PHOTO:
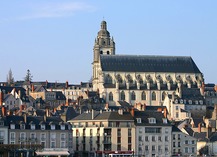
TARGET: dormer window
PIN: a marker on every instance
(22, 126)
(190, 102)
(181, 101)
(138, 120)
(152, 120)
(52, 126)
(176, 101)
(12, 126)
(1, 123)
(164, 120)
(42, 126)
(201, 102)
(33, 126)
(196, 102)
(62, 126)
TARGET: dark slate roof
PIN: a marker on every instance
(106, 115)
(191, 93)
(175, 129)
(201, 136)
(189, 131)
(145, 63)
(213, 138)
(145, 115)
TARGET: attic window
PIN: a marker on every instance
(138, 120)
(152, 120)
(201, 102)
(22, 126)
(1, 123)
(164, 120)
(42, 127)
(33, 126)
(12, 126)
(52, 126)
(62, 127)
(190, 102)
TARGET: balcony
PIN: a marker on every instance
(21, 139)
(43, 138)
(32, 139)
(63, 138)
(106, 142)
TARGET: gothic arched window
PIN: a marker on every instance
(122, 95)
(153, 96)
(110, 96)
(163, 95)
(108, 79)
(133, 96)
(143, 95)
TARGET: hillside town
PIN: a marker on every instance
(134, 105)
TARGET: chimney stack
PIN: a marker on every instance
(1, 98)
(33, 88)
(4, 111)
(132, 111)
(67, 84)
(199, 127)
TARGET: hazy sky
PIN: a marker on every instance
(54, 39)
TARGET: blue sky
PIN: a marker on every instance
(54, 39)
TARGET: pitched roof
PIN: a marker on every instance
(106, 115)
(145, 63)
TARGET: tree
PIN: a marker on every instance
(28, 77)
(10, 78)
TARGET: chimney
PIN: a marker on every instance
(120, 111)
(202, 89)
(165, 112)
(215, 88)
(25, 118)
(106, 106)
(93, 114)
(33, 88)
(199, 127)
(132, 111)
(47, 112)
(1, 98)
(19, 93)
(27, 91)
(67, 84)
(4, 111)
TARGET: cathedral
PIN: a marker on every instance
(139, 78)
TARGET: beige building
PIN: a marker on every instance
(38, 136)
(139, 78)
(98, 133)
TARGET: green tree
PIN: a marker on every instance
(28, 77)
(10, 78)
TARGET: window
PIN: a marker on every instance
(12, 135)
(153, 96)
(108, 79)
(62, 136)
(122, 95)
(22, 126)
(110, 96)
(43, 137)
(166, 130)
(186, 149)
(152, 130)
(62, 144)
(193, 150)
(33, 126)
(62, 126)
(53, 136)
(42, 126)
(146, 138)
(153, 148)
(52, 126)
(163, 96)
(166, 138)
(192, 142)
(53, 144)
(2, 134)
(186, 141)
(152, 120)
(138, 120)
(177, 114)
(143, 95)
(153, 138)
(133, 96)
(177, 107)
(159, 138)
(146, 148)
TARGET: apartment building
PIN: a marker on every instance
(38, 136)
(100, 133)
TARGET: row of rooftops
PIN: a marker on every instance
(26, 122)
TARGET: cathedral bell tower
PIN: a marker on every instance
(104, 45)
